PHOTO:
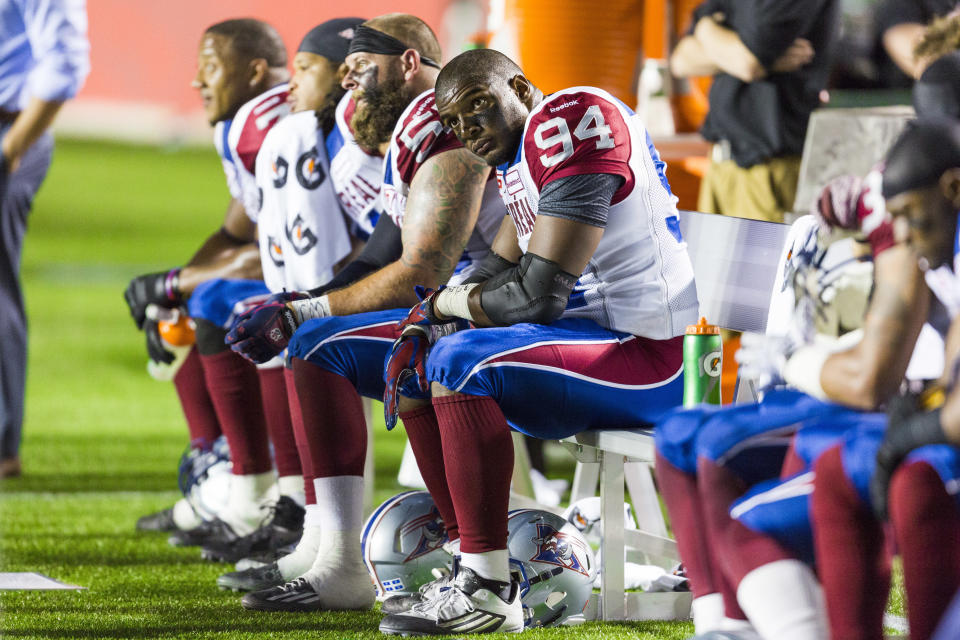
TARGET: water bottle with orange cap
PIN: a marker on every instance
(702, 364)
(177, 331)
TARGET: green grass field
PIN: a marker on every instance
(102, 439)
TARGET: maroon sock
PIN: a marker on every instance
(927, 525)
(197, 406)
(333, 419)
(792, 462)
(300, 436)
(738, 549)
(235, 391)
(478, 457)
(851, 561)
(276, 408)
(679, 491)
(424, 435)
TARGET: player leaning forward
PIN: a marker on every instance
(558, 352)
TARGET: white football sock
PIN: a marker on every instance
(707, 611)
(292, 487)
(741, 628)
(784, 601)
(340, 502)
(338, 574)
(492, 565)
(184, 516)
(249, 494)
(299, 562)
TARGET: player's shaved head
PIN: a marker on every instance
(484, 98)
(479, 66)
(252, 39)
(410, 30)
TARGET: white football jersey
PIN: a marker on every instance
(418, 137)
(238, 141)
(356, 174)
(301, 226)
(640, 279)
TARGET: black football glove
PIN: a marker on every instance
(156, 348)
(161, 289)
(907, 429)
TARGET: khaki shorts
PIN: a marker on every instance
(762, 192)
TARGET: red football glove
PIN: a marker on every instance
(406, 371)
(263, 332)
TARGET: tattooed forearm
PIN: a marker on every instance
(441, 211)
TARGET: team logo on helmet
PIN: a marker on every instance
(300, 236)
(309, 172)
(433, 534)
(275, 250)
(280, 172)
(555, 547)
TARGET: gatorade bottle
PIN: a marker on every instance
(176, 329)
(702, 364)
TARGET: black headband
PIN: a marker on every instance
(370, 40)
(331, 38)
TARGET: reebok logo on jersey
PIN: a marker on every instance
(563, 106)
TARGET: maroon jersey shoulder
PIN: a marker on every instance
(578, 132)
(265, 112)
(419, 136)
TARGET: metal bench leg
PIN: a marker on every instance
(521, 483)
(585, 479)
(611, 575)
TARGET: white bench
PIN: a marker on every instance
(735, 262)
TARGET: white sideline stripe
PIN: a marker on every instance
(897, 623)
(799, 486)
(570, 374)
(773, 436)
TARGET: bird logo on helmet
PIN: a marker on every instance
(553, 563)
(403, 542)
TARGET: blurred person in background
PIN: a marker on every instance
(44, 60)
(900, 25)
(770, 60)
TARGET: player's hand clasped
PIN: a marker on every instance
(908, 428)
(263, 332)
(161, 289)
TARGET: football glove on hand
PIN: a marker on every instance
(160, 289)
(762, 358)
(423, 313)
(156, 348)
(264, 331)
(406, 371)
(908, 428)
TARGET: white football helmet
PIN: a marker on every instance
(403, 542)
(553, 563)
(204, 478)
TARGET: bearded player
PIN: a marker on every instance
(441, 202)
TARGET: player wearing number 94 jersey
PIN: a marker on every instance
(587, 311)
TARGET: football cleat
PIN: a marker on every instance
(470, 604)
(207, 532)
(401, 603)
(159, 521)
(297, 595)
(258, 579)
(283, 527)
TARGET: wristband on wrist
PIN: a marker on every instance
(171, 284)
(803, 370)
(453, 301)
(310, 308)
